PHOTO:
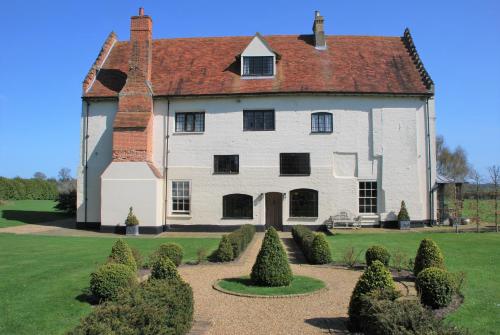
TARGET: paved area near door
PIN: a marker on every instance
(322, 313)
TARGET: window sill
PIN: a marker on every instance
(188, 133)
(226, 173)
(321, 132)
(295, 175)
(257, 77)
(225, 218)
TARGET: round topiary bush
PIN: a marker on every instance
(377, 253)
(435, 287)
(428, 255)
(320, 250)
(224, 252)
(170, 250)
(375, 277)
(110, 279)
(164, 268)
(122, 254)
(271, 267)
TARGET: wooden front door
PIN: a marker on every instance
(274, 210)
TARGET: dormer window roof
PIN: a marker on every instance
(258, 60)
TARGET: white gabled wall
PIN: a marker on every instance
(374, 138)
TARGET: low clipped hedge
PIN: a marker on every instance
(313, 245)
(435, 287)
(224, 252)
(110, 279)
(428, 255)
(169, 250)
(377, 253)
(121, 253)
(383, 315)
(271, 268)
(376, 277)
(154, 307)
(238, 239)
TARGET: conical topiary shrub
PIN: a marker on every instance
(428, 255)
(403, 213)
(224, 252)
(271, 267)
(375, 277)
(122, 254)
(131, 218)
(320, 250)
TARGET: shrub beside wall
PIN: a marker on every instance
(238, 239)
(314, 246)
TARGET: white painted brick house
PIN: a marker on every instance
(211, 133)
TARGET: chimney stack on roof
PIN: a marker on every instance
(319, 31)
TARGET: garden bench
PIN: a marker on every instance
(343, 219)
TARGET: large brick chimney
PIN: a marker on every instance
(132, 128)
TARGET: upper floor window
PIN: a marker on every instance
(226, 164)
(304, 203)
(258, 120)
(258, 66)
(321, 123)
(237, 206)
(295, 164)
(368, 197)
(190, 122)
(181, 200)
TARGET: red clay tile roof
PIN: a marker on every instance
(208, 66)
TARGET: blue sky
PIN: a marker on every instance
(48, 47)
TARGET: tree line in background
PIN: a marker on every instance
(453, 163)
(62, 189)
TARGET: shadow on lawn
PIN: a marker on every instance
(87, 296)
(331, 325)
(38, 217)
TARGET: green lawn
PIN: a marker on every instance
(299, 285)
(19, 212)
(486, 209)
(476, 254)
(42, 277)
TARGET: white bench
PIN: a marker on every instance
(343, 219)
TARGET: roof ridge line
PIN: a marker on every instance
(410, 46)
(106, 48)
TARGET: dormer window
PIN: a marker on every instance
(258, 60)
(258, 66)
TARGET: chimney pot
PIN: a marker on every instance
(141, 11)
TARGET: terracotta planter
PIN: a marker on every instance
(132, 230)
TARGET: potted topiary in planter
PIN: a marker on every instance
(403, 217)
(132, 224)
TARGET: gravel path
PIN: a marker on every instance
(322, 313)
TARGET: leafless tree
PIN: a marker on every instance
(476, 178)
(494, 172)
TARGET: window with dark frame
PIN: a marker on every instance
(321, 122)
(368, 197)
(295, 164)
(181, 200)
(258, 120)
(226, 164)
(237, 206)
(304, 203)
(258, 66)
(190, 122)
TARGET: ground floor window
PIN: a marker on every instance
(368, 197)
(237, 206)
(181, 200)
(303, 203)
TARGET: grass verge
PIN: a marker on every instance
(19, 212)
(299, 285)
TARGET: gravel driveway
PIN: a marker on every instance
(321, 313)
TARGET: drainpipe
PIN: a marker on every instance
(165, 164)
(429, 164)
(86, 134)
